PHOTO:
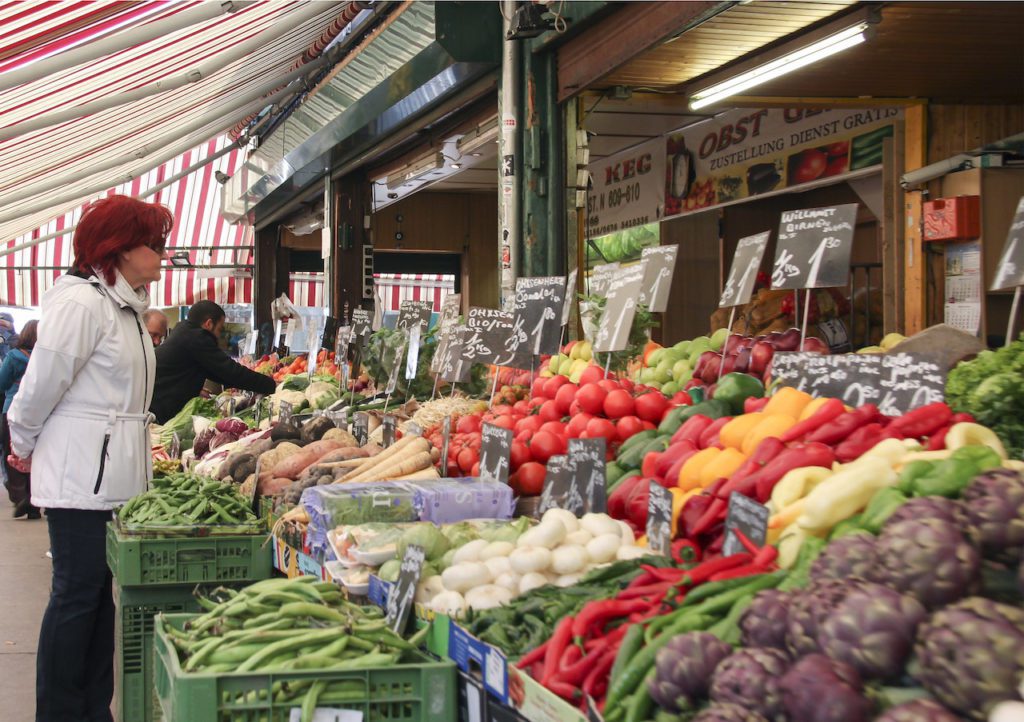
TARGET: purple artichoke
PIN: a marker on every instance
(853, 556)
(994, 502)
(684, 668)
(819, 689)
(971, 655)
(764, 622)
(727, 713)
(752, 678)
(920, 710)
(809, 609)
(929, 559)
(872, 630)
(929, 507)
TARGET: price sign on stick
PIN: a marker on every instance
(498, 338)
(538, 303)
(601, 276)
(403, 593)
(446, 325)
(414, 313)
(588, 458)
(495, 452)
(747, 516)
(619, 309)
(284, 412)
(813, 249)
(746, 262)
(559, 491)
(413, 359)
(396, 367)
(330, 334)
(455, 366)
(1010, 271)
(388, 426)
(659, 519)
(361, 427)
(570, 294)
(361, 326)
(660, 265)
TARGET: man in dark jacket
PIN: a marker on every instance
(190, 356)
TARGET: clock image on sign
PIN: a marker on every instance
(813, 248)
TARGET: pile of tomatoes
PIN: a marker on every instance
(557, 410)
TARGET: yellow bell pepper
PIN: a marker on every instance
(723, 464)
(796, 484)
(689, 475)
(789, 401)
(733, 433)
(845, 493)
(771, 425)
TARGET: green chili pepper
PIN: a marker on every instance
(883, 504)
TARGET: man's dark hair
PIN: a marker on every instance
(203, 311)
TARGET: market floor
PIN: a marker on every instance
(25, 588)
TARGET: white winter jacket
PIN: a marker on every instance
(82, 409)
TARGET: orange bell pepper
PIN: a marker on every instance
(788, 401)
(771, 425)
(733, 433)
(722, 465)
(689, 475)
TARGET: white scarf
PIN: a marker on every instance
(125, 294)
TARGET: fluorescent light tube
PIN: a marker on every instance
(780, 66)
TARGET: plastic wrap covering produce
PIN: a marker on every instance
(450, 500)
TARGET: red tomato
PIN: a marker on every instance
(536, 402)
(521, 407)
(648, 426)
(544, 445)
(682, 399)
(628, 426)
(554, 383)
(651, 406)
(529, 479)
(519, 455)
(525, 435)
(553, 427)
(591, 374)
(537, 387)
(505, 422)
(619, 403)
(608, 385)
(601, 427)
(564, 397)
(549, 411)
(577, 424)
(627, 385)
(591, 398)
(468, 424)
(529, 423)
(575, 408)
(467, 458)
(475, 471)
(808, 166)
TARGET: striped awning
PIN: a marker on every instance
(393, 288)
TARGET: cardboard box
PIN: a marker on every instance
(295, 563)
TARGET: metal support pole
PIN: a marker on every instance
(807, 309)
(510, 184)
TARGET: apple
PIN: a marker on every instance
(702, 363)
(788, 340)
(711, 368)
(742, 360)
(760, 357)
(733, 343)
(728, 365)
(813, 344)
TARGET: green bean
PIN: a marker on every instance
(295, 642)
(309, 703)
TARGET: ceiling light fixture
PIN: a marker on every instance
(416, 170)
(782, 65)
(477, 140)
(181, 260)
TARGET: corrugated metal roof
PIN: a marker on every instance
(144, 127)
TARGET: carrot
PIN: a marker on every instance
(399, 466)
(386, 457)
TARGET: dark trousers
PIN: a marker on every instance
(75, 663)
(19, 484)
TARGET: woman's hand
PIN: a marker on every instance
(19, 464)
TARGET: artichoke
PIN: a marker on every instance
(683, 669)
(872, 630)
(819, 689)
(929, 507)
(994, 502)
(852, 556)
(920, 710)
(728, 713)
(809, 609)
(971, 655)
(764, 622)
(929, 559)
(752, 678)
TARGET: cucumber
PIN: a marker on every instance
(632, 442)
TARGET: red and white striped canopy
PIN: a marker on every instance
(393, 288)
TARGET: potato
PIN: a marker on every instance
(342, 437)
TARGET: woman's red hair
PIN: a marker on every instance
(116, 224)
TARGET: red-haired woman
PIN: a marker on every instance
(81, 414)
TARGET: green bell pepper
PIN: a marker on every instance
(847, 526)
(883, 504)
(983, 457)
(948, 478)
(714, 409)
(735, 388)
(696, 394)
(911, 473)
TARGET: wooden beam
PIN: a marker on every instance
(624, 35)
(915, 156)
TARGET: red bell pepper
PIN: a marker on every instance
(714, 514)
(759, 484)
(636, 504)
(842, 426)
(764, 452)
(691, 429)
(672, 474)
(861, 441)
(685, 551)
(828, 411)
(617, 499)
(650, 463)
(668, 458)
(709, 437)
(693, 510)
(753, 404)
(923, 421)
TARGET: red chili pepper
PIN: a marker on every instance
(574, 673)
(642, 581)
(923, 421)
(563, 690)
(685, 551)
(828, 411)
(534, 655)
(753, 404)
(797, 456)
(767, 555)
(764, 453)
(861, 441)
(714, 514)
(665, 574)
(559, 640)
(600, 670)
(571, 655)
(691, 429)
(596, 613)
(650, 589)
(842, 426)
(611, 638)
(709, 437)
(746, 542)
(706, 570)
(677, 453)
(745, 570)
(712, 489)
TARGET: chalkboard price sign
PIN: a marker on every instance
(570, 293)
(619, 309)
(454, 366)
(601, 276)
(1010, 271)
(497, 338)
(361, 427)
(660, 265)
(403, 593)
(495, 450)
(446, 325)
(588, 458)
(896, 383)
(813, 249)
(659, 519)
(361, 325)
(746, 261)
(747, 516)
(559, 491)
(284, 412)
(388, 425)
(414, 313)
(538, 303)
(396, 367)
(330, 334)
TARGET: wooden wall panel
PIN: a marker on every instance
(463, 223)
(954, 129)
(696, 284)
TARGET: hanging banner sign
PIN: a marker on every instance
(627, 189)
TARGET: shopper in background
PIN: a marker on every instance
(19, 487)
(191, 355)
(81, 414)
(8, 338)
(156, 325)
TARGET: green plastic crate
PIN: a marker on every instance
(144, 561)
(423, 691)
(133, 634)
